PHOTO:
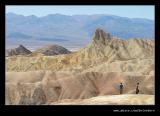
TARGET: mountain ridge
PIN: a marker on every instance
(103, 48)
(75, 29)
(11, 13)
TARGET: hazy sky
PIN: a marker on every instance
(131, 11)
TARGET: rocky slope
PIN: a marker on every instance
(50, 50)
(20, 50)
(53, 86)
(103, 49)
(95, 70)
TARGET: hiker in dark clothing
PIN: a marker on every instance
(121, 88)
(137, 89)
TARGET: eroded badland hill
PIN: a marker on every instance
(85, 75)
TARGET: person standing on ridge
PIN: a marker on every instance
(121, 88)
(137, 88)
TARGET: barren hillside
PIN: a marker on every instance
(95, 70)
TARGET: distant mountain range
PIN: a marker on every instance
(75, 30)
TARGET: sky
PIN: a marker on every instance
(130, 11)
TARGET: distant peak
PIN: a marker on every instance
(99, 29)
(21, 46)
(20, 50)
(100, 36)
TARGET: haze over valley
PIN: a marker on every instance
(72, 32)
